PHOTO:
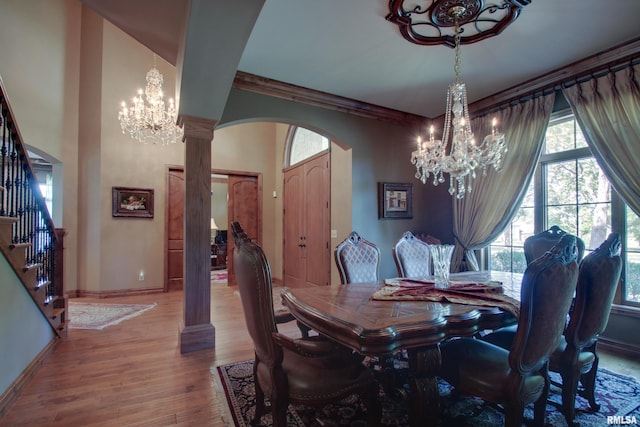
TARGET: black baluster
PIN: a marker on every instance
(3, 154)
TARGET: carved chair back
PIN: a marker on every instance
(358, 260)
(599, 276)
(412, 256)
(254, 284)
(548, 286)
(535, 246)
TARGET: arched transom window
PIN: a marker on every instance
(304, 143)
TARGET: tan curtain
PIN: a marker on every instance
(483, 214)
(608, 112)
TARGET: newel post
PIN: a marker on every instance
(197, 332)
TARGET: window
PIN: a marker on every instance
(570, 190)
(304, 143)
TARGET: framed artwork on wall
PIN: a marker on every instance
(395, 200)
(132, 202)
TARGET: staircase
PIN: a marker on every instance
(28, 239)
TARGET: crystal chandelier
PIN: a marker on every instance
(150, 122)
(465, 156)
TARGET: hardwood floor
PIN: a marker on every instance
(132, 374)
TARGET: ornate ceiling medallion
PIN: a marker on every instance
(430, 22)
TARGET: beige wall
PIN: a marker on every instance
(40, 71)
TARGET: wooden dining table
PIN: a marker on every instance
(349, 315)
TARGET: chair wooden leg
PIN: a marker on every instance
(569, 389)
(540, 405)
(588, 381)
(279, 406)
(513, 415)
(260, 406)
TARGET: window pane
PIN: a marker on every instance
(561, 183)
(595, 224)
(632, 261)
(305, 144)
(507, 253)
(593, 185)
(564, 135)
(529, 201)
(508, 259)
(564, 217)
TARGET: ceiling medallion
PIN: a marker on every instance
(430, 22)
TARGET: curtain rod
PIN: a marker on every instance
(577, 78)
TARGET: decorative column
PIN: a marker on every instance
(197, 332)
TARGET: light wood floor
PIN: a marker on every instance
(133, 374)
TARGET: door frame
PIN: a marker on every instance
(169, 168)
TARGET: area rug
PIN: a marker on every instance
(617, 394)
(219, 277)
(98, 316)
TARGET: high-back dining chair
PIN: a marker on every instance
(358, 260)
(412, 256)
(535, 246)
(308, 371)
(518, 377)
(576, 358)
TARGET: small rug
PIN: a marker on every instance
(98, 316)
(219, 276)
(617, 394)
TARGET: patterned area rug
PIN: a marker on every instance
(99, 316)
(617, 394)
(219, 276)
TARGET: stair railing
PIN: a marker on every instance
(21, 198)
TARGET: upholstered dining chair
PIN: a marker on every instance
(358, 260)
(282, 314)
(307, 371)
(535, 246)
(412, 256)
(518, 377)
(576, 357)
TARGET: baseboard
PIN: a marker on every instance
(112, 294)
(618, 347)
(11, 394)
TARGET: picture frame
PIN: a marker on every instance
(132, 202)
(395, 200)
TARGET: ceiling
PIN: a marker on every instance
(347, 48)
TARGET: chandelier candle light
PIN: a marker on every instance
(465, 155)
(151, 122)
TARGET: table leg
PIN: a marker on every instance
(424, 398)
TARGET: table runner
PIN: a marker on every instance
(485, 294)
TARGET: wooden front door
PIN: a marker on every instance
(307, 256)
(245, 206)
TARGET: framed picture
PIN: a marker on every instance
(395, 200)
(132, 202)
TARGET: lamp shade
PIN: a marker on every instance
(213, 224)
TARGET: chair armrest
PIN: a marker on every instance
(311, 347)
(284, 317)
